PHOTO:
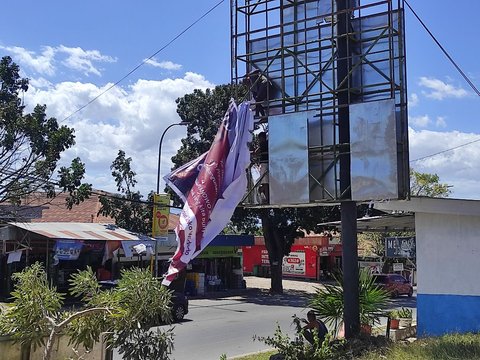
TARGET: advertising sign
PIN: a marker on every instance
(264, 257)
(211, 252)
(397, 266)
(161, 213)
(400, 247)
(68, 249)
(334, 240)
(294, 263)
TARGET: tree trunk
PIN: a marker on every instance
(276, 286)
(47, 353)
(274, 242)
(58, 328)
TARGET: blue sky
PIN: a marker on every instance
(72, 51)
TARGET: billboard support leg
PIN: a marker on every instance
(351, 309)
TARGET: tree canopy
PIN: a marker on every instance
(31, 145)
(127, 208)
(424, 184)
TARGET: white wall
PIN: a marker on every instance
(448, 254)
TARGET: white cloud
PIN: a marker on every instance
(131, 118)
(424, 121)
(167, 65)
(457, 167)
(42, 64)
(413, 100)
(440, 122)
(83, 60)
(39, 82)
(419, 121)
(46, 62)
(440, 90)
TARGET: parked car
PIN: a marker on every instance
(179, 306)
(395, 284)
(179, 301)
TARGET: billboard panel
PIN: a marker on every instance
(296, 47)
(373, 149)
(288, 158)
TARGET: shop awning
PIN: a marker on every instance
(80, 231)
(393, 222)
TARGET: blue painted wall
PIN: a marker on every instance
(441, 314)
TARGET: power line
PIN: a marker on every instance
(462, 73)
(444, 151)
(144, 61)
(472, 85)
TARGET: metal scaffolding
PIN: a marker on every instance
(293, 46)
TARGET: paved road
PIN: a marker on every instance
(217, 326)
(226, 325)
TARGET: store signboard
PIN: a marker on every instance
(334, 240)
(211, 252)
(161, 214)
(397, 266)
(400, 247)
(264, 257)
(68, 249)
(294, 263)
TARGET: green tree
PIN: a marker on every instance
(424, 184)
(203, 110)
(127, 208)
(31, 145)
(126, 313)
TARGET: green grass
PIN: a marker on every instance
(259, 356)
(448, 347)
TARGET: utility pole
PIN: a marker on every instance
(348, 208)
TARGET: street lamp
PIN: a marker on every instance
(160, 151)
(158, 183)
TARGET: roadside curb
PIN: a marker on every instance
(250, 354)
(223, 294)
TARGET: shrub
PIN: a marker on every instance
(34, 302)
(393, 314)
(328, 302)
(299, 348)
(126, 313)
(405, 313)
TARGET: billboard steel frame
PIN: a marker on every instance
(296, 46)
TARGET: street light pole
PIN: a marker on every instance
(158, 184)
(160, 151)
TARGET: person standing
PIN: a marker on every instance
(261, 89)
(262, 156)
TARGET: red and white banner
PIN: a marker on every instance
(220, 183)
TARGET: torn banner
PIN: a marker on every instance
(212, 186)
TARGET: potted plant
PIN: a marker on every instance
(394, 319)
(328, 302)
(405, 317)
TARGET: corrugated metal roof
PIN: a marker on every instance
(399, 222)
(80, 231)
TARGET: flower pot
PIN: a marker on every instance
(405, 322)
(366, 329)
(394, 324)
